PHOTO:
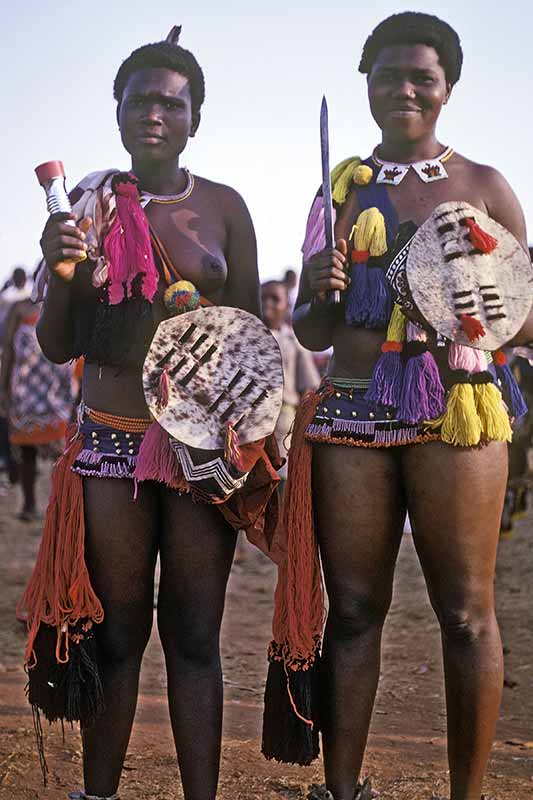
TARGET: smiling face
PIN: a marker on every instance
(407, 88)
(155, 116)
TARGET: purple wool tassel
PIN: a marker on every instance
(386, 385)
(422, 394)
(380, 297)
(511, 391)
(357, 295)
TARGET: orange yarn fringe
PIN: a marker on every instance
(59, 592)
(299, 600)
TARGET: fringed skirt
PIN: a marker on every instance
(345, 417)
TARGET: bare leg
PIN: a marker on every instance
(360, 512)
(197, 549)
(28, 474)
(455, 498)
(121, 549)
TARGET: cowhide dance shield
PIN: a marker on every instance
(449, 276)
(222, 366)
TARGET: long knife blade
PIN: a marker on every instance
(334, 296)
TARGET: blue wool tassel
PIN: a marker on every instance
(381, 299)
(386, 385)
(511, 391)
(358, 296)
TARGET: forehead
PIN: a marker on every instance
(408, 56)
(158, 80)
(274, 291)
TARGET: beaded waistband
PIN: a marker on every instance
(349, 383)
(127, 424)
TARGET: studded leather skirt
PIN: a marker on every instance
(344, 417)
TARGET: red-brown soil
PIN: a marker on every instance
(406, 754)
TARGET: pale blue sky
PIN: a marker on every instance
(266, 67)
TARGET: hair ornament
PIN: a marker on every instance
(174, 35)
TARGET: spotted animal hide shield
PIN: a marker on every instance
(448, 277)
(221, 365)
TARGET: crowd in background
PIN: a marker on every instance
(37, 398)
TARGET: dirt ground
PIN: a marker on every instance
(406, 755)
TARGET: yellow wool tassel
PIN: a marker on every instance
(342, 178)
(397, 325)
(362, 175)
(461, 425)
(370, 232)
(494, 418)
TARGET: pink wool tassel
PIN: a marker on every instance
(127, 247)
(157, 461)
(315, 237)
(468, 358)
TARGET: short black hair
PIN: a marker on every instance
(274, 282)
(413, 27)
(167, 56)
(19, 277)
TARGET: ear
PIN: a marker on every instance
(449, 88)
(195, 124)
(117, 112)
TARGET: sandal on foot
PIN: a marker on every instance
(318, 791)
(83, 796)
(363, 791)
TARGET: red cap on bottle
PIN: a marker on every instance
(50, 169)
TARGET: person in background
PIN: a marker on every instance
(516, 493)
(36, 398)
(299, 370)
(290, 279)
(16, 289)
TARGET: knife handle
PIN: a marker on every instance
(333, 298)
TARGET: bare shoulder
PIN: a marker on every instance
(487, 178)
(498, 196)
(227, 198)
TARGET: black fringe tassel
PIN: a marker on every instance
(73, 691)
(285, 737)
(70, 692)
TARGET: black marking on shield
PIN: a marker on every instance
(166, 358)
(199, 342)
(236, 378)
(227, 413)
(188, 333)
(248, 388)
(446, 228)
(174, 371)
(190, 375)
(215, 404)
(208, 354)
(260, 398)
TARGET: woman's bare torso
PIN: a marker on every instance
(194, 234)
(356, 350)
